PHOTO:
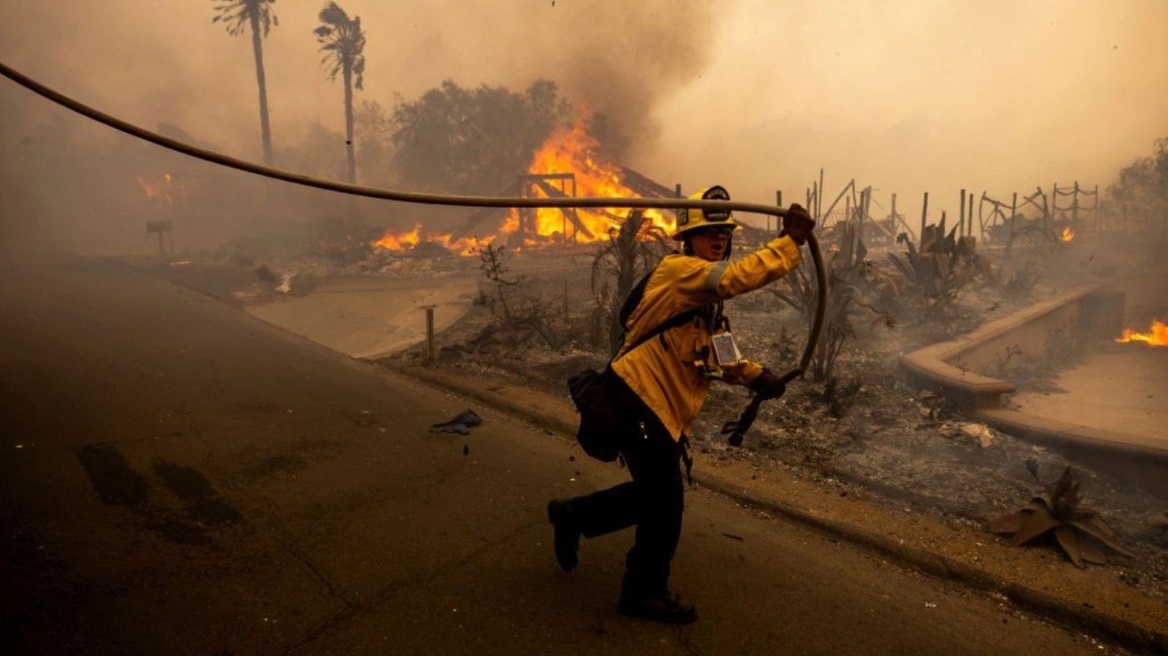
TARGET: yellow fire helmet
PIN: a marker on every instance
(694, 218)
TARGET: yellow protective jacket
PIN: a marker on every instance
(666, 372)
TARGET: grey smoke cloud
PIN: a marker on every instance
(912, 96)
(150, 62)
(903, 95)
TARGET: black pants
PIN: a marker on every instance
(652, 501)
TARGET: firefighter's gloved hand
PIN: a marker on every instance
(768, 385)
(797, 224)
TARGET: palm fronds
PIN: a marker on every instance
(238, 14)
(1077, 529)
(342, 42)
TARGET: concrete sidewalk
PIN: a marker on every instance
(1123, 389)
(367, 316)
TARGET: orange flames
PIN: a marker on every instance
(568, 151)
(1157, 337)
(1067, 235)
(573, 150)
(404, 242)
(163, 192)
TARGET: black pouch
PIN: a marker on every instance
(593, 392)
(601, 432)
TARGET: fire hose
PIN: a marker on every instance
(737, 428)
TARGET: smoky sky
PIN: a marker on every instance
(149, 61)
(912, 96)
(905, 96)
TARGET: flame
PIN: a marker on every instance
(403, 243)
(1157, 337)
(1067, 234)
(569, 150)
(162, 191)
(573, 150)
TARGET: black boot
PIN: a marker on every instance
(667, 608)
(567, 535)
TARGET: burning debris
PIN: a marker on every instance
(1078, 530)
(416, 243)
(164, 192)
(1157, 336)
(568, 164)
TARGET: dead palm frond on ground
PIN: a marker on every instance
(1077, 529)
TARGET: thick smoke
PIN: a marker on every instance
(996, 95)
(148, 62)
(625, 59)
(156, 63)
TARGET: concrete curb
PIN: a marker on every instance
(981, 395)
(1117, 631)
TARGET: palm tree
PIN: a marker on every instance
(257, 14)
(342, 42)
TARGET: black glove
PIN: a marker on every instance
(797, 224)
(768, 385)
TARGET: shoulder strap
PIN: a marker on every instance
(634, 299)
(671, 322)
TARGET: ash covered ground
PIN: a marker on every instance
(868, 430)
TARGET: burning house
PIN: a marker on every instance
(568, 164)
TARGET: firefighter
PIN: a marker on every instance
(663, 383)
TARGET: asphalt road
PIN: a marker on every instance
(177, 477)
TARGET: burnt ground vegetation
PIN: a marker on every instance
(855, 422)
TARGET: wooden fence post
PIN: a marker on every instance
(970, 233)
(778, 203)
(924, 218)
(819, 195)
(1013, 213)
(429, 333)
(1075, 206)
(861, 214)
(961, 220)
(893, 221)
